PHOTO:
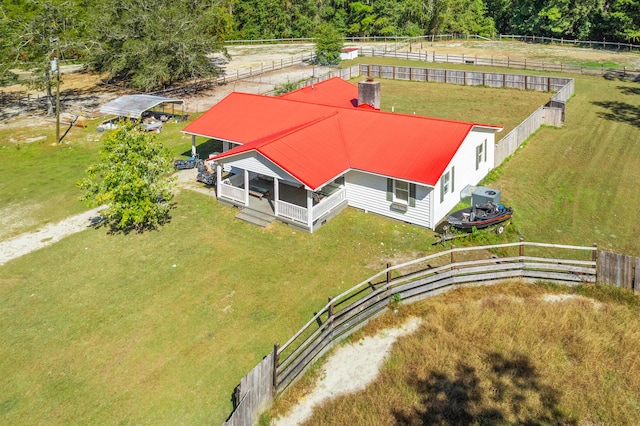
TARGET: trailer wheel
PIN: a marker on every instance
(500, 229)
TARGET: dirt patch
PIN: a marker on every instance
(349, 369)
(82, 93)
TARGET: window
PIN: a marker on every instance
(485, 150)
(447, 183)
(481, 154)
(400, 191)
(401, 194)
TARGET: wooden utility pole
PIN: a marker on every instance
(55, 67)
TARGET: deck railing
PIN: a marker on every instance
(232, 192)
(292, 211)
(325, 206)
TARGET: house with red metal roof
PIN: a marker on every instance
(302, 157)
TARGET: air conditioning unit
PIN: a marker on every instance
(483, 195)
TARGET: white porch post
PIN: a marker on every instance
(225, 146)
(246, 187)
(193, 145)
(276, 195)
(218, 178)
(310, 210)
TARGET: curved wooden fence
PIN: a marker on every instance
(416, 280)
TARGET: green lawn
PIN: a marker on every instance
(160, 327)
(579, 184)
(38, 178)
(105, 329)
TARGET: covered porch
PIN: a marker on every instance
(285, 200)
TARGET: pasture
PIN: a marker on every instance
(159, 328)
(507, 354)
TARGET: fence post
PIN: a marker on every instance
(594, 254)
(521, 253)
(276, 361)
(453, 254)
(388, 273)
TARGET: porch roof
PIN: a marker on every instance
(315, 142)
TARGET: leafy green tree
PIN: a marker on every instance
(462, 17)
(34, 32)
(329, 44)
(150, 46)
(132, 178)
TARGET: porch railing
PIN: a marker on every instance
(292, 211)
(232, 192)
(324, 206)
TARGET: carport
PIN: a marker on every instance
(140, 107)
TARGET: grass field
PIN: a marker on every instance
(38, 178)
(509, 354)
(159, 328)
(105, 329)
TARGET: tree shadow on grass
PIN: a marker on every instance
(621, 112)
(626, 90)
(460, 400)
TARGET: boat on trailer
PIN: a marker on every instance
(480, 216)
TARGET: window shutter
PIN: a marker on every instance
(453, 178)
(477, 155)
(412, 194)
(389, 189)
(442, 188)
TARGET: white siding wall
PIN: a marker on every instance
(465, 170)
(369, 192)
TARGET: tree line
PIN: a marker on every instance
(171, 41)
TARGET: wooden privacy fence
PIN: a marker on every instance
(469, 78)
(416, 280)
(254, 394)
(551, 114)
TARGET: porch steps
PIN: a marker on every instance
(255, 217)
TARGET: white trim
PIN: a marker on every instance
(213, 137)
(396, 199)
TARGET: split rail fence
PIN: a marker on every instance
(505, 62)
(433, 38)
(417, 280)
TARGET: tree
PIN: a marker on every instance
(34, 32)
(148, 46)
(329, 43)
(132, 178)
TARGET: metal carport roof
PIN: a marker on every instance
(134, 105)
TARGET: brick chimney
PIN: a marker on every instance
(369, 93)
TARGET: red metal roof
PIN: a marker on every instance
(316, 142)
(333, 92)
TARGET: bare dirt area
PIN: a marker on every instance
(82, 93)
(349, 369)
